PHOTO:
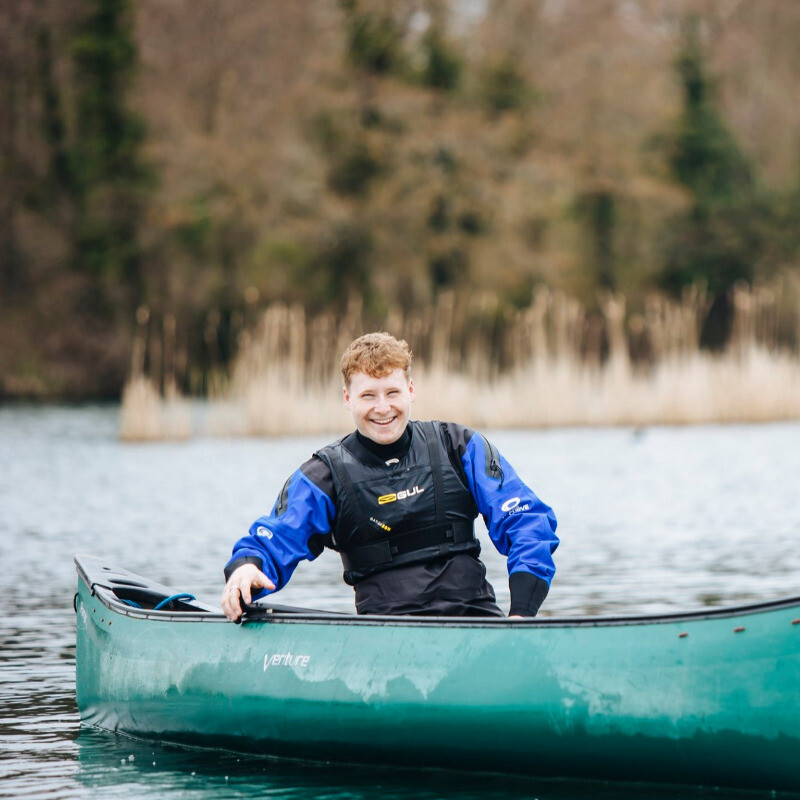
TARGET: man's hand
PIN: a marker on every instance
(239, 588)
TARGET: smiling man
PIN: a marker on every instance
(397, 499)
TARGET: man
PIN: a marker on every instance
(397, 499)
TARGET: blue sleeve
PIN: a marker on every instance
(283, 538)
(520, 525)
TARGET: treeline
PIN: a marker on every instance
(75, 193)
(203, 159)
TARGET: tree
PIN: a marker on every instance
(443, 67)
(111, 178)
(719, 240)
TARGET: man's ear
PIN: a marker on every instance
(346, 397)
(412, 391)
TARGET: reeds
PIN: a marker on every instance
(550, 364)
(152, 407)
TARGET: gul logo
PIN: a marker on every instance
(381, 525)
(401, 495)
(262, 531)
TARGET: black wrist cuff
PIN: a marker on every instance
(234, 565)
(527, 593)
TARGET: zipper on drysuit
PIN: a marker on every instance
(493, 468)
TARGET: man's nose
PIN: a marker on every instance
(382, 402)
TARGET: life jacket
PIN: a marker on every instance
(407, 512)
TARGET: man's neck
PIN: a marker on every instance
(386, 452)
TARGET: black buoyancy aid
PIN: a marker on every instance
(407, 512)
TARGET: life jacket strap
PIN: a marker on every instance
(401, 548)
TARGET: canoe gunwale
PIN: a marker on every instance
(87, 567)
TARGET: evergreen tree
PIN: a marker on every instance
(111, 178)
(719, 240)
(443, 67)
(597, 209)
(54, 129)
(374, 43)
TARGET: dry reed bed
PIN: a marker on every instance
(551, 365)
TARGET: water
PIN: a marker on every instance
(652, 520)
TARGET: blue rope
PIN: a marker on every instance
(129, 602)
(167, 600)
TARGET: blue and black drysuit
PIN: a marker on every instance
(401, 516)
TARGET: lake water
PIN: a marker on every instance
(650, 520)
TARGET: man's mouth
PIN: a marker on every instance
(383, 421)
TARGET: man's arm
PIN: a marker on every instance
(520, 525)
(295, 530)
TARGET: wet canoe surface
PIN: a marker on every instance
(707, 698)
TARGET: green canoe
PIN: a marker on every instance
(710, 697)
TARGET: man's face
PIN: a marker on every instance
(380, 406)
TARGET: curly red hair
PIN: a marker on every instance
(376, 354)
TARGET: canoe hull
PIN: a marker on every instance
(708, 700)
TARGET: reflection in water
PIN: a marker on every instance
(669, 520)
(120, 766)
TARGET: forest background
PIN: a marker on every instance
(190, 187)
